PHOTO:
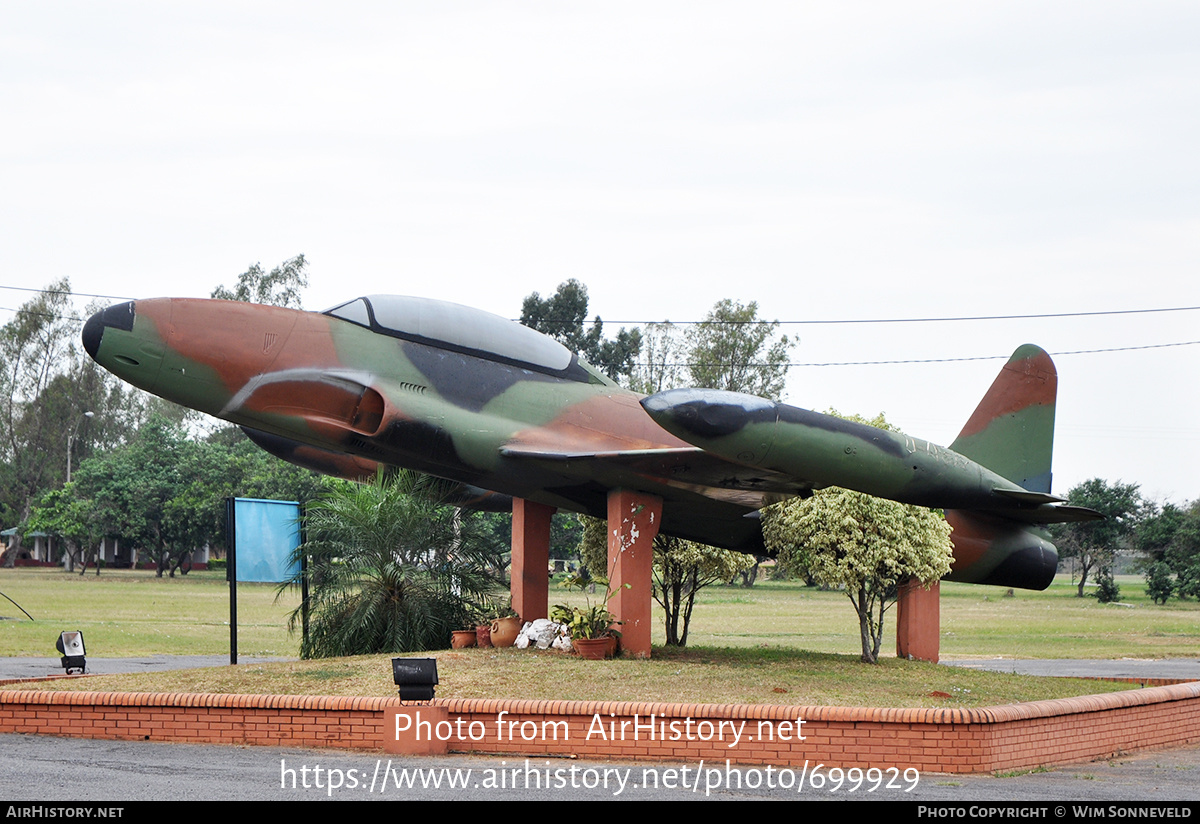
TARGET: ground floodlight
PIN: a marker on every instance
(70, 644)
(416, 678)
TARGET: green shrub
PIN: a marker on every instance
(1107, 591)
(1159, 583)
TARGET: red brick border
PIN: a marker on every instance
(1018, 736)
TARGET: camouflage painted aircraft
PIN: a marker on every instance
(506, 411)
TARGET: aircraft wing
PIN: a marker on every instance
(685, 468)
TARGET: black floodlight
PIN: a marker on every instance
(416, 678)
(70, 644)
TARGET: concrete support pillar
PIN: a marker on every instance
(633, 521)
(531, 559)
(918, 621)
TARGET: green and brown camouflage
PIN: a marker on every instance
(508, 412)
(832, 451)
(994, 507)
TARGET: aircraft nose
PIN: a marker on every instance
(117, 316)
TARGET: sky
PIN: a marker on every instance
(830, 161)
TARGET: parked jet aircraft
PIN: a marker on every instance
(506, 411)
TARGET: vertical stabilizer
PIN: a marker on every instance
(1011, 432)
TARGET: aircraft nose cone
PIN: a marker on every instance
(117, 316)
(707, 413)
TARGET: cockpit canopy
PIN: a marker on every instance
(460, 328)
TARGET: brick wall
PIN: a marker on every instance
(1018, 736)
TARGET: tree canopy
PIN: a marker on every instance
(563, 316)
(1170, 537)
(733, 349)
(1094, 544)
(46, 386)
(279, 287)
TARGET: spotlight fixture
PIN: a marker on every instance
(415, 677)
(70, 644)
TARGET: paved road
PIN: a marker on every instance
(41, 768)
(1182, 668)
(1080, 668)
(41, 667)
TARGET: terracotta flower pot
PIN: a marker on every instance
(505, 631)
(462, 638)
(593, 649)
(483, 635)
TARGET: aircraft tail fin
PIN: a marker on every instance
(1011, 432)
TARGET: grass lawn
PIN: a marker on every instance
(777, 642)
(127, 612)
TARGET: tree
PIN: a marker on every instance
(1107, 591)
(164, 493)
(1170, 538)
(1094, 544)
(681, 569)
(563, 315)
(732, 349)
(663, 359)
(1183, 553)
(128, 492)
(63, 514)
(1157, 529)
(34, 346)
(279, 287)
(1159, 584)
(46, 387)
(393, 569)
(867, 545)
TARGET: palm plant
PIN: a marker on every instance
(392, 568)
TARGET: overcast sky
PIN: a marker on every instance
(830, 161)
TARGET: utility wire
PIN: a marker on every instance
(948, 360)
(1002, 357)
(836, 321)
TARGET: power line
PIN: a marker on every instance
(65, 292)
(949, 360)
(1002, 357)
(834, 321)
(50, 315)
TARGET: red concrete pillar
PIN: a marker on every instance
(531, 559)
(633, 521)
(918, 621)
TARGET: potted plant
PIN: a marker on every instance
(483, 629)
(463, 638)
(506, 626)
(592, 628)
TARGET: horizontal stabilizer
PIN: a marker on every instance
(1068, 514)
(1048, 514)
(1027, 497)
